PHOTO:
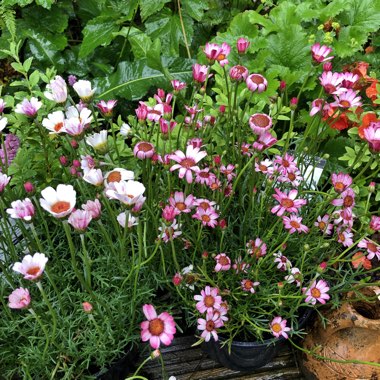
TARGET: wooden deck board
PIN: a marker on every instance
(191, 363)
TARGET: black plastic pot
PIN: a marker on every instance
(248, 356)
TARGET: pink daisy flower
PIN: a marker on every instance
(293, 224)
(200, 72)
(249, 286)
(347, 199)
(265, 167)
(19, 299)
(205, 204)
(287, 202)
(260, 123)
(22, 210)
(372, 135)
(169, 233)
(349, 79)
(256, 248)
(4, 180)
(246, 149)
(207, 217)
(106, 107)
(182, 203)
(242, 45)
(282, 261)
(238, 73)
(94, 208)
(293, 177)
(265, 140)
(345, 237)
(169, 213)
(375, 223)
(80, 220)
(287, 163)
(223, 262)
(372, 248)
(208, 300)
(228, 171)
(143, 150)
(186, 163)
(212, 51)
(320, 53)
(347, 99)
(278, 327)
(240, 266)
(324, 225)
(345, 216)
(204, 177)
(256, 82)
(214, 183)
(177, 85)
(31, 267)
(330, 81)
(209, 325)
(341, 181)
(317, 292)
(157, 329)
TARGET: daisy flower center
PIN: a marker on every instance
(257, 79)
(204, 205)
(60, 206)
(345, 103)
(209, 301)
(287, 203)
(348, 201)
(210, 325)
(203, 174)
(220, 57)
(114, 177)
(187, 163)
(156, 326)
(341, 237)
(263, 168)
(295, 224)
(371, 247)
(339, 186)
(316, 293)
(276, 327)
(180, 205)
(33, 271)
(206, 218)
(58, 127)
(291, 176)
(285, 163)
(322, 225)
(248, 285)
(223, 260)
(145, 147)
(260, 121)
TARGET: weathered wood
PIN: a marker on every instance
(191, 363)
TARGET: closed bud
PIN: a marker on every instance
(87, 307)
(306, 247)
(63, 160)
(74, 144)
(29, 188)
(371, 187)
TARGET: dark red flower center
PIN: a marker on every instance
(348, 201)
(156, 326)
(287, 203)
(187, 163)
(210, 326)
(258, 79)
(145, 147)
(261, 121)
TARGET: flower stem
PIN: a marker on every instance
(87, 261)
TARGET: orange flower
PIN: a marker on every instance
(360, 259)
(371, 91)
(339, 121)
(368, 118)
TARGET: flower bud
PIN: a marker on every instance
(28, 186)
(293, 103)
(63, 160)
(322, 267)
(282, 86)
(242, 45)
(177, 279)
(204, 255)
(87, 307)
(371, 187)
(76, 164)
(222, 224)
(155, 354)
(327, 66)
(74, 144)
(306, 247)
(222, 109)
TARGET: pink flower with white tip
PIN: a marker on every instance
(29, 107)
(265, 167)
(345, 237)
(282, 261)
(177, 85)
(208, 300)
(205, 204)
(320, 53)
(94, 177)
(31, 267)
(143, 150)
(187, 163)
(4, 180)
(347, 99)
(56, 90)
(80, 220)
(278, 327)
(372, 135)
(341, 181)
(265, 140)
(324, 224)
(94, 208)
(158, 328)
(372, 248)
(127, 192)
(293, 224)
(207, 217)
(204, 176)
(317, 292)
(106, 107)
(19, 299)
(287, 202)
(223, 262)
(58, 202)
(286, 163)
(22, 210)
(260, 123)
(238, 73)
(209, 325)
(349, 79)
(182, 203)
(200, 72)
(331, 82)
(249, 286)
(169, 233)
(256, 82)
(294, 275)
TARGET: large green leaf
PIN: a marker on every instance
(45, 3)
(195, 8)
(20, 3)
(98, 31)
(132, 80)
(167, 27)
(150, 7)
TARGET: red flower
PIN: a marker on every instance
(368, 118)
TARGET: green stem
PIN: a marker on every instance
(87, 261)
(183, 29)
(43, 329)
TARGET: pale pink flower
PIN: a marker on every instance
(204, 177)
(31, 267)
(256, 248)
(320, 53)
(200, 72)
(246, 149)
(317, 292)
(54, 122)
(98, 141)
(375, 223)
(282, 261)
(122, 219)
(341, 181)
(157, 329)
(223, 262)
(138, 205)
(208, 300)
(260, 123)
(293, 177)
(209, 325)
(372, 135)
(372, 248)
(294, 275)
(278, 327)
(287, 202)
(143, 150)
(156, 112)
(207, 217)
(317, 105)
(58, 202)
(127, 192)
(94, 208)
(324, 224)
(344, 216)
(2, 105)
(345, 237)
(117, 175)
(177, 85)
(293, 224)
(169, 233)
(4, 180)
(186, 163)
(228, 171)
(94, 177)
(347, 99)
(256, 82)
(106, 107)
(265, 167)
(29, 107)
(3, 123)
(205, 204)
(56, 90)
(80, 219)
(87, 307)
(22, 210)
(287, 163)
(331, 82)
(19, 299)
(238, 73)
(242, 45)
(249, 286)
(347, 199)
(182, 203)
(84, 90)
(265, 140)
(240, 266)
